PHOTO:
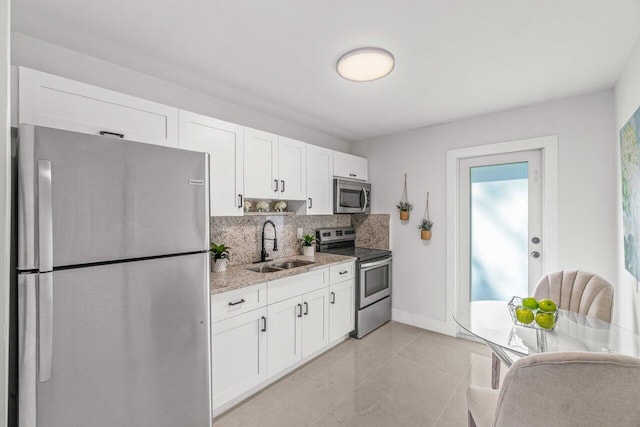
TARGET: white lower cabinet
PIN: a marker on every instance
(315, 321)
(285, 334)
(238, 355)
(342, 308)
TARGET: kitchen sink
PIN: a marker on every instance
(265, 269)
(291, 264)
(279, 266)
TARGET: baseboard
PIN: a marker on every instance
(423, 322)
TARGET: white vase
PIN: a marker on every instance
(308, 250)
(218, 265)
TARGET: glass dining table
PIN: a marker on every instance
(491, 322)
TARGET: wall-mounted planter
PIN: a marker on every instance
(404, 215)
(425, 234)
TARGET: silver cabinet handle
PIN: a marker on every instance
(45, 217)
(299, 310)
(237, 302)
(366, 199)
(282, 181)
(333, 297)
(240, 201)
(310, 203)
(264, 324)
(45, 326)
(276, 181)
(306, 309)
(119, 135)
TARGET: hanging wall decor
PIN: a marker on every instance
(426, 224)
(404, 206)
(630, 165)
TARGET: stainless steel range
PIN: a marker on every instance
(373, 278)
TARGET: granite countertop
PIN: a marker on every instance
(238, 276)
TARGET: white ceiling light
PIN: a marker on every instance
(365, 64)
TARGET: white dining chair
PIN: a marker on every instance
(561, 389)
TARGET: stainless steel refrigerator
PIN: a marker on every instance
(113, 287)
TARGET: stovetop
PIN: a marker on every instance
(363, 254)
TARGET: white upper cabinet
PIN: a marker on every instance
(350, 166)
(260, 164)
(319, 181)
(56, 102)
(292, 169)
(274, 167)
(225, 144)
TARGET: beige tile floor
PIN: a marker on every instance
(398, 375)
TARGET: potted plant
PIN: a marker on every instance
(219, 257)
(405, 208)
(308, 247)
(425, 229)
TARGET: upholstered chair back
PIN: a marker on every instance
(578, 291)
(570, 389)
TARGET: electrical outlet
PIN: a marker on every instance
(299, 232)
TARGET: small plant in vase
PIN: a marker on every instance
(425, 229)
(308, 247)
(405, 208)
(219, 257)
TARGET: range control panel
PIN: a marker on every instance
(326, 235)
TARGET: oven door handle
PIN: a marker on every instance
(370, 265)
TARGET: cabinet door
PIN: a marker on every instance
(284, 326)
(260, 165)
(341, 309)
(292, 165)
(319, 181)
(224, 143)
(238, 355)
(350, 166)
(56, 102)
(315, 321)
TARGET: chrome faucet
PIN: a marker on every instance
(263, 253)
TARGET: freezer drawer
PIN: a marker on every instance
(85, 199)
(129, 345)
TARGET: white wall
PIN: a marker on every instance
(50, 58)
(627, 101)
(5, 191)
(587, 199)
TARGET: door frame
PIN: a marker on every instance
(549, 165)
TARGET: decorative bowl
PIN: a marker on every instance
(517, 301)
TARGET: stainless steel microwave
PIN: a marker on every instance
(351, 196)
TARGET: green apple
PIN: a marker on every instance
(545, 320)
(547, 305)
(524, 315)
(530, 302)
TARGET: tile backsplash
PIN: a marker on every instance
(243, 233)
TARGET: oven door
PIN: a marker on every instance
(375, 281)
(351, 197)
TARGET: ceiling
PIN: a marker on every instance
(454, 58)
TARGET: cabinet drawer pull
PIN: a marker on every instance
(237, 302)
(299, 310)
(276, 181)
(282, 190)
(343, 272)
(333, 297)
(352, 174)
(119, 135)
(310, 203)
(240, 201)
(306, 309)
(264, 324)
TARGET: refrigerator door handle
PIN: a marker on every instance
(45, 326)
(45, 217)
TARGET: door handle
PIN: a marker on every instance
(240, 201)
(45, 326)
(333, 297)
(306, 308)
(45, 217)
(276, 181)
(310, 203)
(264, 324)
(282, 181)
(299, 310)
